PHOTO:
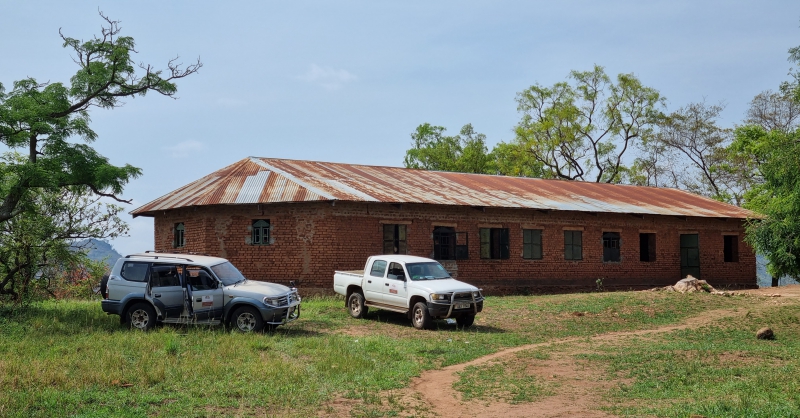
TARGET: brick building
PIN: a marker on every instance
(286, 219)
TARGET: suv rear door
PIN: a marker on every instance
(165, 286)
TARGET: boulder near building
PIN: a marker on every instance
(282, 219)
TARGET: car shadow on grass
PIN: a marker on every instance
(394, 318)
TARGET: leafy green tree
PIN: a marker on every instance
(581, 131)
(777, 197)
(772, 152)
(42, 118)
(35, 246)
(433, 150)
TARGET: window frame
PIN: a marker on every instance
(570, 244)
(494, 243)
(730, 248)
(395, 236)
(179, 235)
(647, 241)
(612, 241)
(261, 231)
(529, 243)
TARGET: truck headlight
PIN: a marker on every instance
(440, 296)
(271, 301)
(476, 294)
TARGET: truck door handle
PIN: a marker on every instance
(157, 295)
(369, 281)
(198, 300)
(386, 284)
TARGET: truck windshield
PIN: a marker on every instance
(427, 271)
(227, 273)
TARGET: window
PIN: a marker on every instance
(731, 248)
(647, 247)
(199, 279)
(449, 244)
(494, 243)
(396, 272)
(394, 239)
(573, 245)
(179, 236)
(532, 244)
(164, 275)
(611, 247)
(378, 268)
(134, 272)
(261, 232)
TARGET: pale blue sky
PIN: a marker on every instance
(349, 81)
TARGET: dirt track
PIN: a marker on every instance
(432, 393)
(578, 386)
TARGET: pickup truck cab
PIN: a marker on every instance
(416, 286)
(147, 288)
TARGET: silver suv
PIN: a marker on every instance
(193, 289)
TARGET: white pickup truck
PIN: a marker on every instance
(419, 287)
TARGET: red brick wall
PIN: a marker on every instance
(311, 240)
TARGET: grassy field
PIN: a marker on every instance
(69, 358)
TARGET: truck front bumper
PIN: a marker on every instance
(448, 310)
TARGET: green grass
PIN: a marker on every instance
(720, 370)
(69, 358)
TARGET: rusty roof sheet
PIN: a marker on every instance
(270, 180)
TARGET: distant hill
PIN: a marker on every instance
(99, 250)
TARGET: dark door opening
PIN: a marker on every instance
(690, 255)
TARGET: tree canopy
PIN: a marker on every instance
(43, 118)
(581, 131)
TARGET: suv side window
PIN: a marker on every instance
(162, 275)
(199, 279)
(134, 272)
(378, 268)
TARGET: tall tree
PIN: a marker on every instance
(774, 155)
(581, 131)
(42, 118)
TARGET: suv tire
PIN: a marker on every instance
(356, 307)
(247, 319)
(420, 317)
(141, 316)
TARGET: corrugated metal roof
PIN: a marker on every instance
(269, 180)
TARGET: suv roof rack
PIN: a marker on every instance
(156, 257)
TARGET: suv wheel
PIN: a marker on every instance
(247, 319)
(355, 304)
(141, 316)
(420, 317)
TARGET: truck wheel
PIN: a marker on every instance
(141, 316)
(420, 317)
(355, 304)
(465, 321)
(247, 319)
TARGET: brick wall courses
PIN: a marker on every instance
(312, 240)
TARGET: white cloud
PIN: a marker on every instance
(186, 148)
(327, 77)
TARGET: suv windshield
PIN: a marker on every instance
(427, 271)
(227, 273)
